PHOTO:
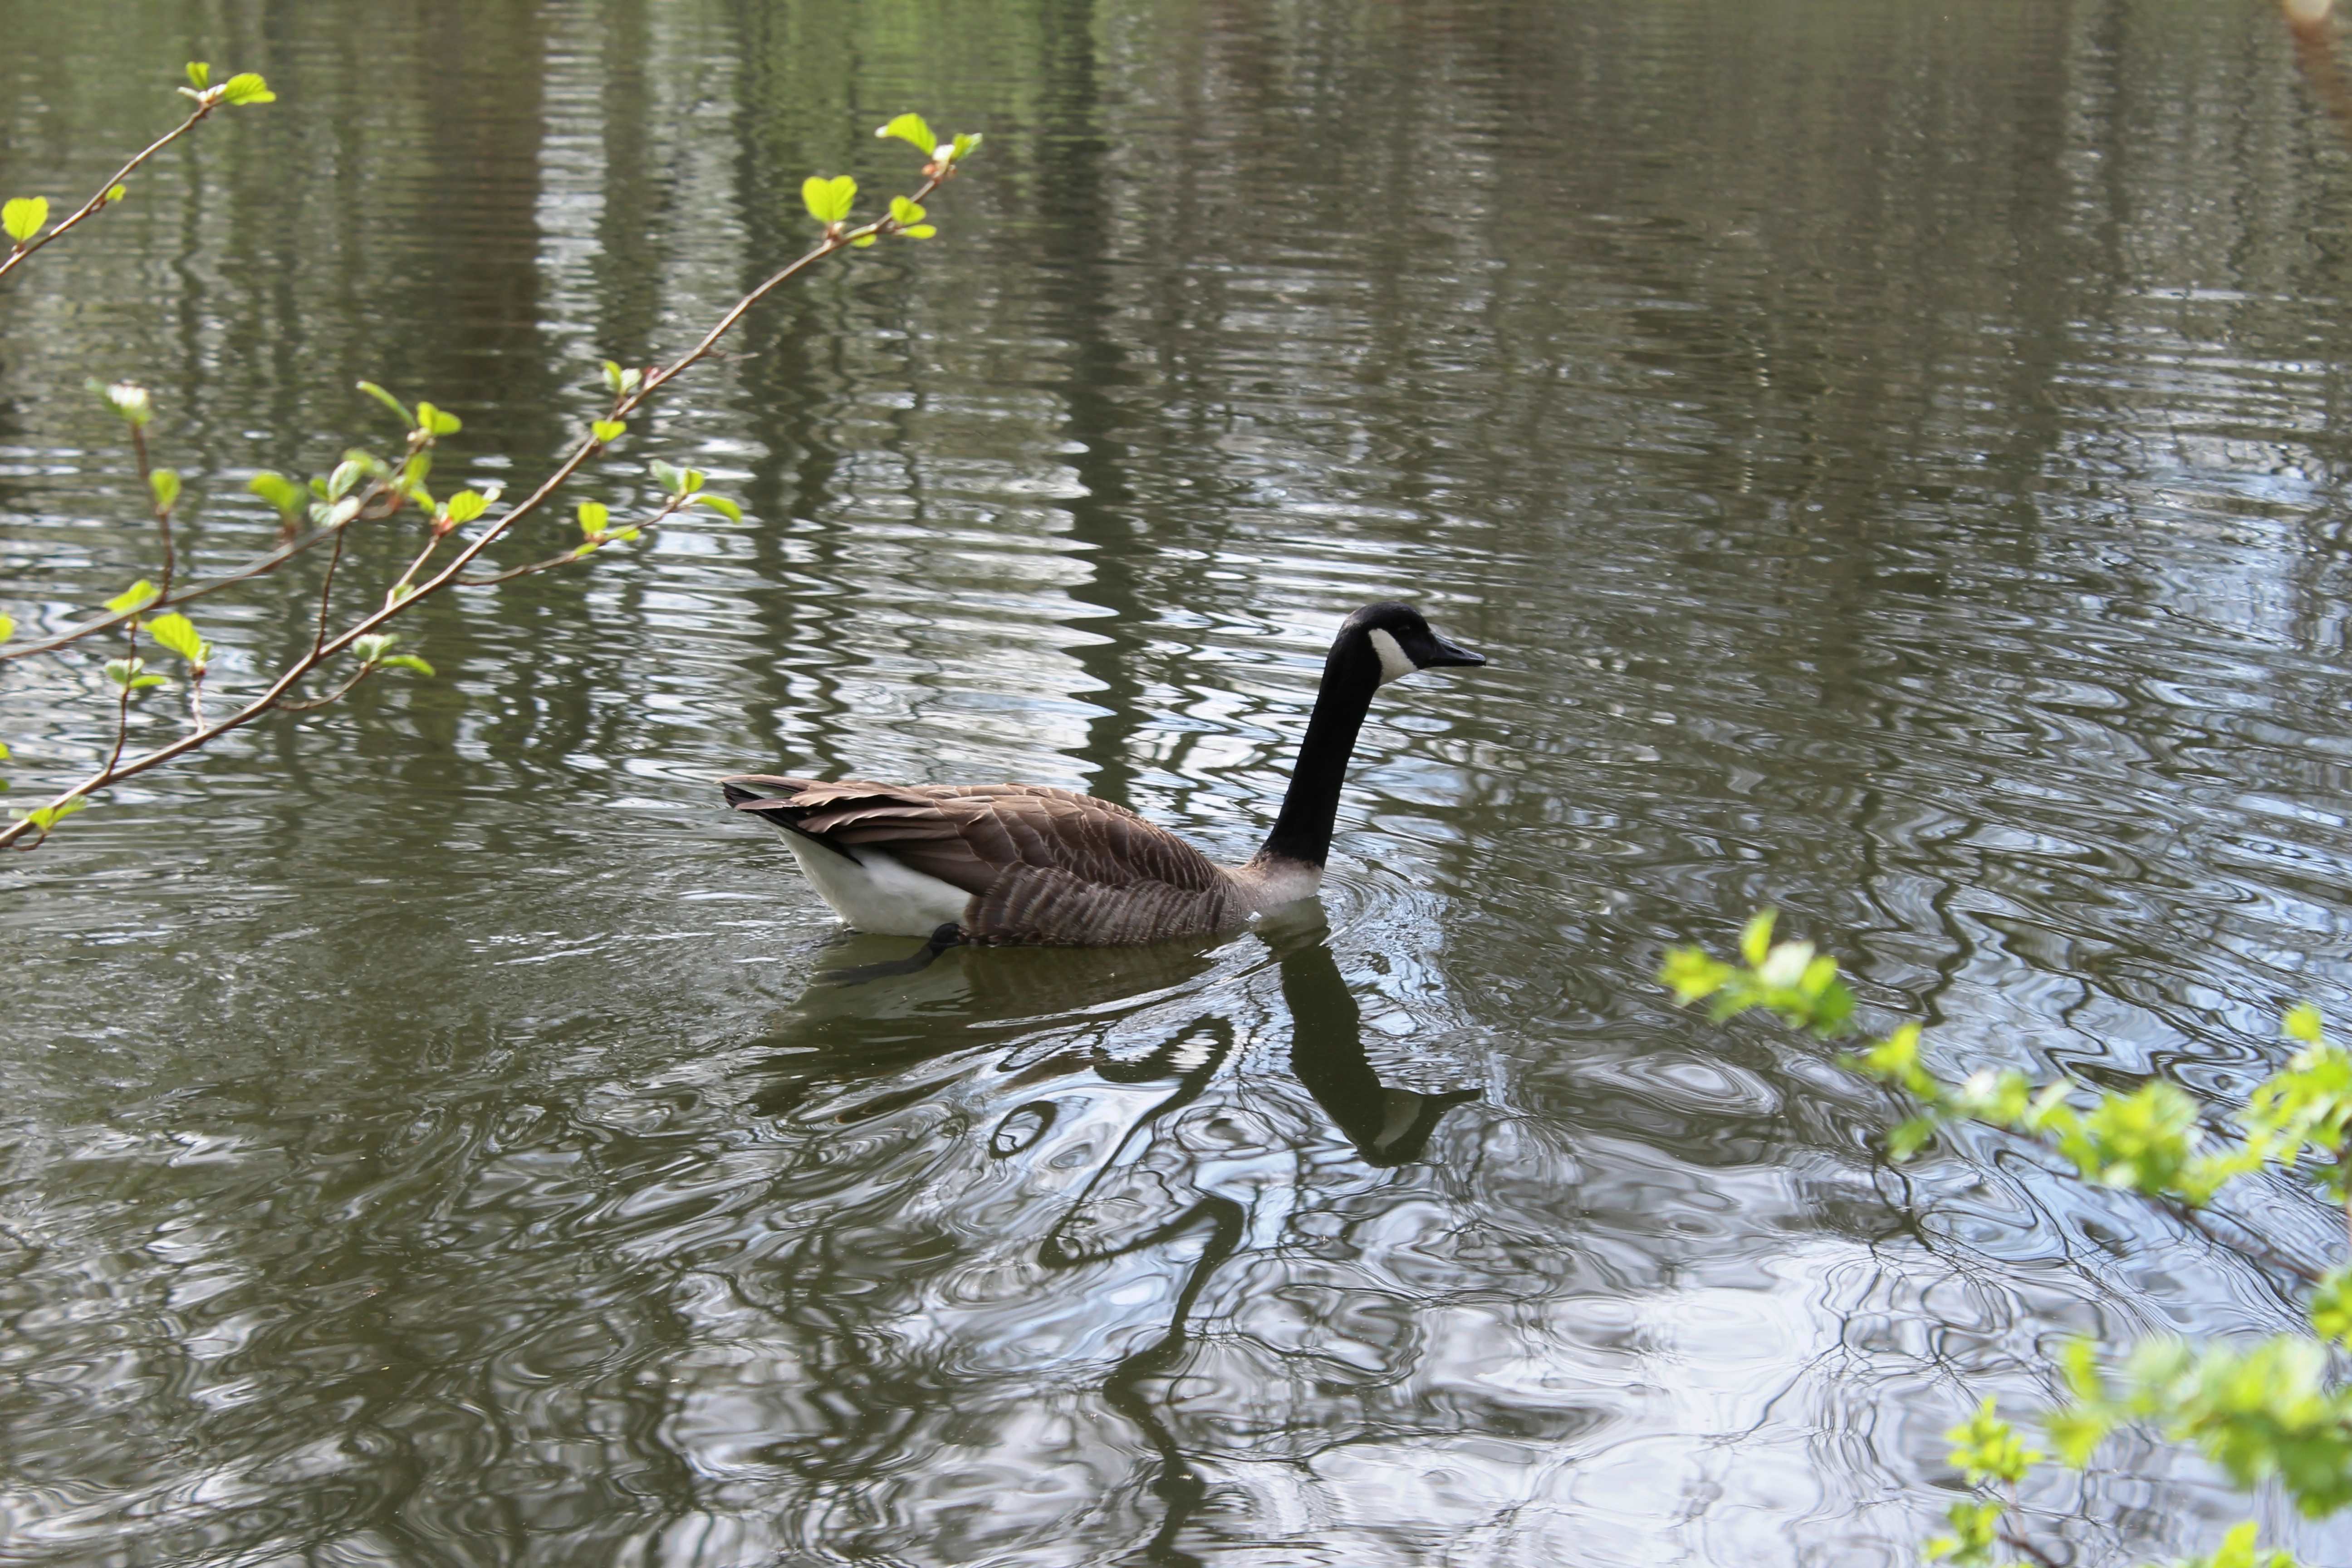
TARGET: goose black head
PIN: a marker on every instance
(1404, 641)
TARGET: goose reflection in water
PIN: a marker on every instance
(1090, 1126)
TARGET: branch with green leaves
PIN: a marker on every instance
(2267, 1413)
(366, 488)
(26, 219)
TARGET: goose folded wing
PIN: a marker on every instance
(969, 837)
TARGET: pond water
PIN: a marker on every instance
(1893, 454)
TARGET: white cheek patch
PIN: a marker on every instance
(1393, 663)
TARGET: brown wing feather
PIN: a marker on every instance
(973, 836)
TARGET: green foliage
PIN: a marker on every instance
(200, 75)
(131, 674)
(593, 516)
(247, 88)
(2237, 1551)
(374, 652)
(279, 491)
(2267, 1412)
(608, 431)
(622, 381)
(128, 399)
(1989, 1449)
(466, 506)
(45, 817)
(829, 201)
(2330, 1308)
(399, 409)
(136, 597)
(8, 627)
(1789, 979)
(177, 633)
(720, 504)
(1976, 1532)
(25, 218)
(437, 422)
(2262, 1413)
(965, 144)
(347, 474)
(164, 484)
(908, 216)
(911, 128)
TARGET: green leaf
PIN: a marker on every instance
(671, 479)
(200, 75)
(136, 597)
(622, 381)
(2303, 1023)
(399, 409)
(47, 816)
(911, 128)
(277, 489)
(621, 535)
(25, 218)
(692, 480)
(593, 515)
(468, 505)
(116, 193)
(8, 627)
(406, 661)
(829, 201)
(437, 421)
(128, 399)
(247, 88)
(177, 632)
(965, 144)
(1989, 1449)
(1757, 939)
(904, 212)
(131, 672)
(862, 241)
(920, 231)
(165, 484)
(348, 472)
(608, 431)
(370, 649)
(720, 504)
(2331, 1306)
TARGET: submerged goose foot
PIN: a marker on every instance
(945, 937)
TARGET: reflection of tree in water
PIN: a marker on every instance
(951, 1312)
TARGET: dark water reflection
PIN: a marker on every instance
(1895, 453)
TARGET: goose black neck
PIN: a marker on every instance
(1350, 675)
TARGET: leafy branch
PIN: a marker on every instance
(364, 487)
(24, 218)
(2268, 1411)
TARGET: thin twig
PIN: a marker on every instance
(327, 591)
(837, 238)
(123, 709)
(257, 567)
(337, 695)
(163, 513)
(59, 229)
(2018, 1541)
(670, 508)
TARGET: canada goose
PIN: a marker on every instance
(1001, 863)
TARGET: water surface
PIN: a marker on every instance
(1893, 454)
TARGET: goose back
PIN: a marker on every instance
(1041, 865)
